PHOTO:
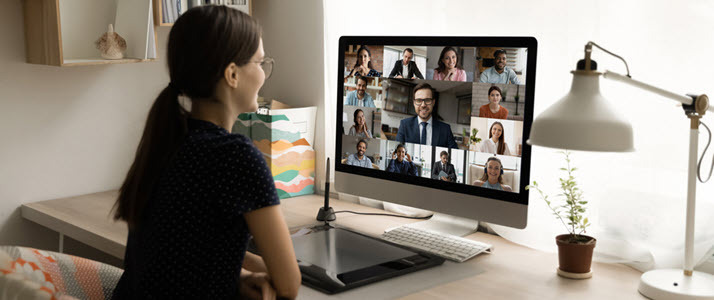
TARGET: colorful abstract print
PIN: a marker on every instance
(291, 157)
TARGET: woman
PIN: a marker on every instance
(363, 66)
(360, 127)
(495, 143)
(450, 68)
(493, 109)
(492, 177)
(195, 193)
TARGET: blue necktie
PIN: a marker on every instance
(423, 133)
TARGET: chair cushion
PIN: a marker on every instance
(59, 276)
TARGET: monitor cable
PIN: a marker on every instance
(381, 214)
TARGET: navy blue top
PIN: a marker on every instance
(193, 236)
(404, 167)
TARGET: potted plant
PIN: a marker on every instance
(575, 249)
(473, 139)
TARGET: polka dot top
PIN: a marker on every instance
(193, 237)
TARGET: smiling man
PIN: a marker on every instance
(359, 159)
(406, 68)
(360, 97)
(499, 73)
(424, 128)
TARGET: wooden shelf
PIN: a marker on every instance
(101, 61)
(63, 35)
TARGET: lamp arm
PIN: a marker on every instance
(664, 93)
(589, 49)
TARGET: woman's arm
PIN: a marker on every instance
(270, 232)
(254, 263)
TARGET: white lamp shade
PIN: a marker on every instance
(583, 120)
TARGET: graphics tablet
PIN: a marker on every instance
(333, 260)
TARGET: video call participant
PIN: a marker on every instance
(423, 129)
(402, 162)
(493, 109)
(406, 68)
(363, 66)
(360, 97)
(492, 177)
(443, 166)
(359, 159)
(360, 127)
(495, 143)
(499, 73)
(450, 68)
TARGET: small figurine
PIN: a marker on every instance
(111, 44)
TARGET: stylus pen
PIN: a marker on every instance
(327, 185)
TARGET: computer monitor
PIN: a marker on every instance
(475, 95)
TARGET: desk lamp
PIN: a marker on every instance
(585, 120)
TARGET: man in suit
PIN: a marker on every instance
(406, 68)
(360, 97)
(444, 166)
(423, 128)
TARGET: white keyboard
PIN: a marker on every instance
(447, 246)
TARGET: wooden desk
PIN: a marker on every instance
(511, 272)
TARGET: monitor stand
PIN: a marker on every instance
(447, 224)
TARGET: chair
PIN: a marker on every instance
(27, 273)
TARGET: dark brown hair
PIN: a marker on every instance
(202, 43)
(501, 145)
(444, 153)
(354, 117)
(492, 88)
(442, 66)
(484, 177)
(358, 62)
(423, 86)
(363, 78)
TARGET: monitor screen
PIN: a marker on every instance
(437, 122)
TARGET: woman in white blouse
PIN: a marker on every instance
(495, 143)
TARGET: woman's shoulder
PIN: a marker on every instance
(478, 183)
(506, 187)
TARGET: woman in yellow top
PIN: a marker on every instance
(493, 109)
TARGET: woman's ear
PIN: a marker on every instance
(230, 74)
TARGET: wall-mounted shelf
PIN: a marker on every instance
(62, 33)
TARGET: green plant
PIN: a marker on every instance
(474, 140)
(573, 207)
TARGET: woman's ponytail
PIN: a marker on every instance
(165, 129)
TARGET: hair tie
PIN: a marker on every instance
(174, 88)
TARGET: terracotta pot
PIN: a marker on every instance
(572, 257)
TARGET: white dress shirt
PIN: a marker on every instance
(428, 129)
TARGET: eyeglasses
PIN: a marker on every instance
(428, 101)
(267, 65)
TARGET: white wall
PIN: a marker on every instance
(293, 35)
(65, 131)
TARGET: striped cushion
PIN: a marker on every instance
(55, 275)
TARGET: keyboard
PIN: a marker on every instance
(451, 247)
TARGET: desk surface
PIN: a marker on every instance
(511, 272)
